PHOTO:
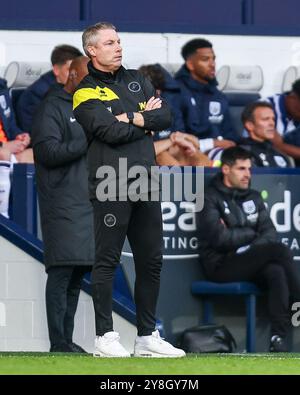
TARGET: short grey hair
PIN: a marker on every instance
(90, 34)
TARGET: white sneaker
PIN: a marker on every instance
(109, 346)
(155, 346)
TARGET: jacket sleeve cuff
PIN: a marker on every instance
(156, 120)
(206, 144)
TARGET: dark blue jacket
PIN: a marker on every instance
(205, 108)
(31, 98)
(172, 95)
(293, 137)
(284, 124)
(7, 115)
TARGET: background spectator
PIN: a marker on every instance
(169, 89)
(178, 149)
(61, 58)
(287, 109)
(13, 146)
(287, 116)
(205, 108)
(258, 119)
(8, 126)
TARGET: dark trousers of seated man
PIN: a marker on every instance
(141, 222)
(271, 267)
(62, 294)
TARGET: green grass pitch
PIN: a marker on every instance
(193, 364)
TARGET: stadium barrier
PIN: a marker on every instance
(177, 307)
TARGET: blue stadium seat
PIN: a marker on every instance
(205, 289)
(15, 94)
(237, 103)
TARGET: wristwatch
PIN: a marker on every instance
(1, 144)
(130, 116)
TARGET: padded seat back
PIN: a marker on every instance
(290, 76)
(241, 84)
(23, 74)
(172, 68)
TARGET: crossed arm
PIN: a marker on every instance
(138, 120)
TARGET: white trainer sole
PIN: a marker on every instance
(99, 354)
(150, 354)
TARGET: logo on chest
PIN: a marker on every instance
(280, 161)
(249, 207)
(214, 107)
(215, 115)
(134, 86)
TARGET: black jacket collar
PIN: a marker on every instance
(102, 75)
(185, 76)
(265, 145)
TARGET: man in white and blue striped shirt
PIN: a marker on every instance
(287, 109)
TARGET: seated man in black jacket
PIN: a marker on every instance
(237, 241)
(258, 119)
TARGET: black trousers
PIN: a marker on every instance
(62, 294)
(142, 223)
(271, 267)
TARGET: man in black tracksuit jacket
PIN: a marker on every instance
(237, 241)
(258, 119)
(117, 110)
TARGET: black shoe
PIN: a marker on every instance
(61, 347)
(75, 348)
(278, 344)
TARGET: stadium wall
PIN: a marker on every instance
(217, 16)
(23, 322)
(273, 54)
